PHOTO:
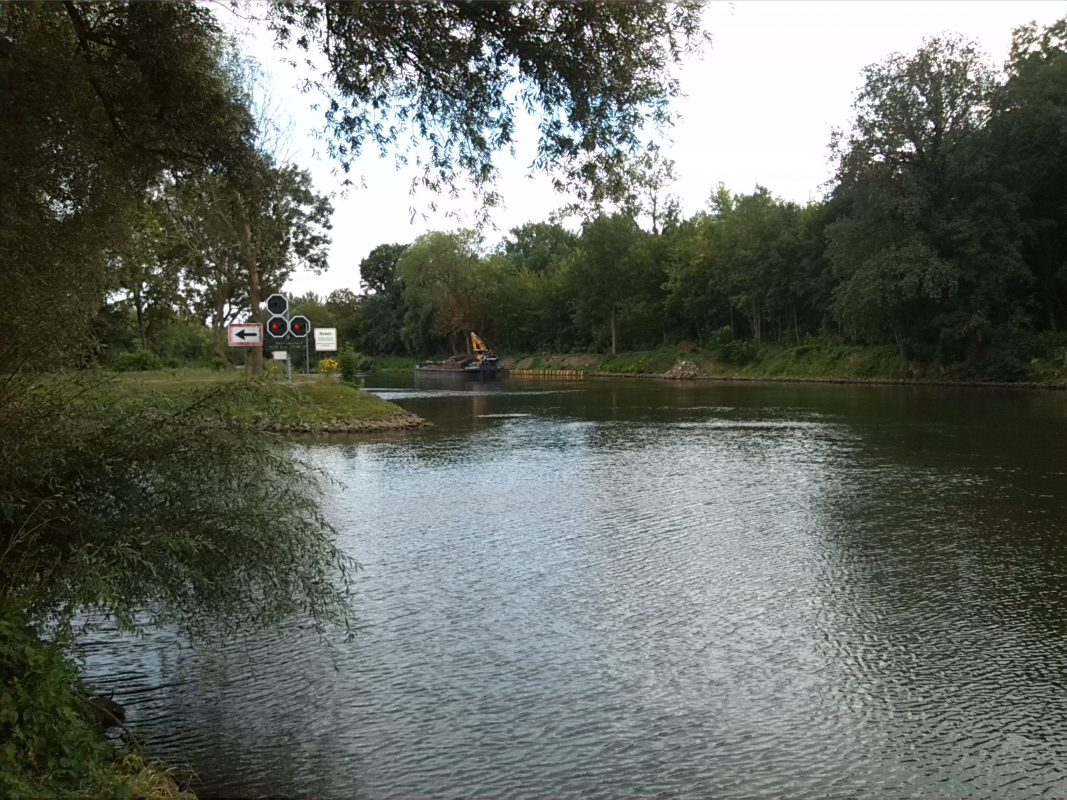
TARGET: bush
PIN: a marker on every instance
(329, 366)
(736, 352)
(351, 363)
(140, 361)
(47, 738)
(187, 341)
(721, 337)
(51, 739)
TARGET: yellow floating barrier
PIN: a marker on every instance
(555, 374)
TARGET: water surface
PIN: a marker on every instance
(614, 589)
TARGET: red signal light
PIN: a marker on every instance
(299, 326)
(277, 327)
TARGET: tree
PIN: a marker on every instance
(344, 306)
(650, 176)
(1028, 135)
(754, 258)
(382, 309)
(696, 302)
(378, 270)
(98, 101)
(442, 287)
(924, 247)
(143, 277)
(447, 78)
(601, 271)
(539, 246)
(145, 510)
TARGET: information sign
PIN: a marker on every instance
(325, 340)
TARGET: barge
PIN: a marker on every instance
(481, 364)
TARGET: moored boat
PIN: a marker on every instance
(482, 363)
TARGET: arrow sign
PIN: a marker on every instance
(245, 334)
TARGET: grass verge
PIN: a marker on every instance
(810, 362)
(310, 404)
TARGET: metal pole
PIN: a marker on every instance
(307, 354)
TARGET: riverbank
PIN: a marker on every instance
(815, 363)
(311, 404)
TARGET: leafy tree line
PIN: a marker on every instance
(944, 234)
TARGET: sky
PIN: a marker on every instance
(757, 107)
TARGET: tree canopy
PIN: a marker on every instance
(444, 81)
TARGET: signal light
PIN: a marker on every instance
(277, 326)
(299, 326)
(277, 304)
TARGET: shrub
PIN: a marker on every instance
(187, 341)
(736, 351)
(51, 742)
(721, 337)
(45, 733)
(329, 366)
(139, 361)
(351, 363)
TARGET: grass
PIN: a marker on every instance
(393, 363)
(308, 400)
(815, 361)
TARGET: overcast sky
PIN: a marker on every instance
(758, 108)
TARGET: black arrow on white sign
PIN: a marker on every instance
(245, 334)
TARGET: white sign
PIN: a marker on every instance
(245, 334)
(325, 340)
(279, 355)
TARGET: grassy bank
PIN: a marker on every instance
(393, 363)
(310, 404)
(813, 362)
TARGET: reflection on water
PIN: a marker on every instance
(649, 589)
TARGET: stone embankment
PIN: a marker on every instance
(683, 371)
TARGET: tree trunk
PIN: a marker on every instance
(248, 247)
(139, 306)
(613, 339)
(218, 328)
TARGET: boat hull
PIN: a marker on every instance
(483, 372)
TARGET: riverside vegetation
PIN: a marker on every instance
(937, 249)
(146, 206)
(936, 254)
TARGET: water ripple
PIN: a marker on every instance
(729, 592)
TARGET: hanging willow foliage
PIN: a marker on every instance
(160, 511)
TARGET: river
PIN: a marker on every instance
(608, 589)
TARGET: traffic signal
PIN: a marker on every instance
(277, 304)
(278, 326)
(299, 326)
